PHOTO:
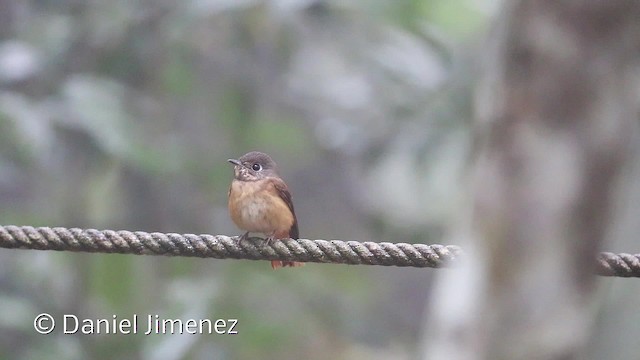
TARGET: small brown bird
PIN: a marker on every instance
(259, 201)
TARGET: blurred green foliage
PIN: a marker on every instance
(122, 114)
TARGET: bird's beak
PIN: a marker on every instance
(234, 162)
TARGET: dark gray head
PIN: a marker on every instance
(254, 166)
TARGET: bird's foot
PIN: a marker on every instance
(270, 238)
(243, 238)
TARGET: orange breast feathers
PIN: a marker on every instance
(256, 206)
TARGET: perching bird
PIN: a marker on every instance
(259, 201)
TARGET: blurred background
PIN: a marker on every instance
(121, 115)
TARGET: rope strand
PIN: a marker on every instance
(225, 247)
(222, 247)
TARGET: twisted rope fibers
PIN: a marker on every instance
(223, 247)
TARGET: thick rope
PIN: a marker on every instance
(223, 247)
(622, 265)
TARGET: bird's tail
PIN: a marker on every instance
(276, 264)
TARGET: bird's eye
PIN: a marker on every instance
(256, 167)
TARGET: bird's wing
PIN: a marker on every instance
(285, 195)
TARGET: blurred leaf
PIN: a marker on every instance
(18, 61)
(461, 18)
(111, 279)
(96, 106)
(284, 134)
(178, 73)
(25, 125)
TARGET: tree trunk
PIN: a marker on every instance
(555, 110)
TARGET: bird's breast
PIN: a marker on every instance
(255, 206)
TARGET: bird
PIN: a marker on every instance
(260, 201)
